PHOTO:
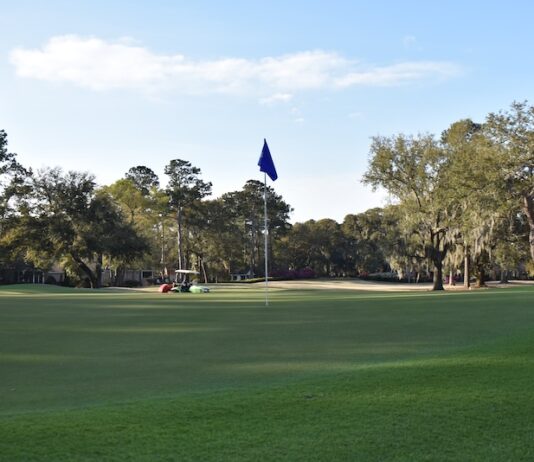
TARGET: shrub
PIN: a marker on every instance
(50, 280)
(83, 284)
(304, 273)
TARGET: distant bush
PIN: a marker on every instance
(83, 284)
(391, 276)
(67, 282)
(381, 276)
(252, 280)
(282, 275)
(50, 280)
(304, 273)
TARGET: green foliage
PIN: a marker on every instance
(12, 177)
(185, 187)
(319, 245)
(144, 179)
(71, 222)
(13, 185)
(413, 170)
(370, 239)
(513, 135)
(131, 200)
(243, 212)
(457, 198)
(146, 210)
(185, 190)
(467, 196)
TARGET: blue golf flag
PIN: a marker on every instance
(266, 162)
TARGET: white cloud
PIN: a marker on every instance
(276, 98)
(93, 63)
(401, 73)
(103, 65)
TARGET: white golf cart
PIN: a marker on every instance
(186, 285)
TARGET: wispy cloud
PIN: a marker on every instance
(401, 73)
(276, 98)
(100, 65)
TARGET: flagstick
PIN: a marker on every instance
(266, 232)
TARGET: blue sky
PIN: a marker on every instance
(106, 85)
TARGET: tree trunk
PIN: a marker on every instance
(467, 276)
(119, 275)
(88, 272)
(528, 208)
(98, 270)
(481, 277)
(437, 255)
(504, 276)
(203, 270)
(438, 274)
(481, 264)
(179, 237)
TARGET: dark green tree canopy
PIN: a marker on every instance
(185, 190)
(414, 171)
(185, 185)
(513, 135)
(71, 220)
(13, 176)
(143, 178)
(463, 198)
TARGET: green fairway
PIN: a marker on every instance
(317, 375)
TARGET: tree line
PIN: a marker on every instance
(461, 203)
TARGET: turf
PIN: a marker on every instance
(317, 375)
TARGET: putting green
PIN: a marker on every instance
(94, 363)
